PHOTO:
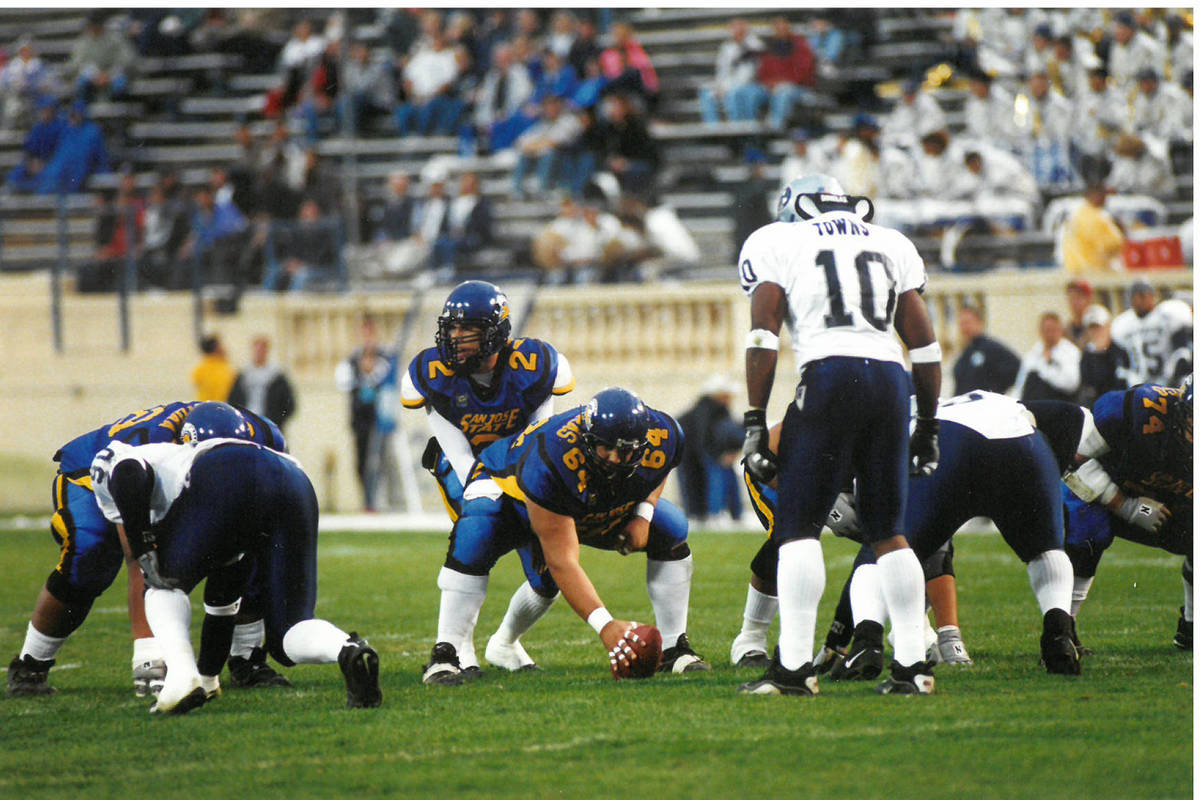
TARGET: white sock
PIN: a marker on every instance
(314, 641)
(801, 582)
(1079, 593)
(246, 637)
(146, 649)
(39, 646)
(760, 612)
(524, 609)
(1051, 576)
(903, 584)
(866, 595)
(169, 613)
(462, 597)
(669, 584)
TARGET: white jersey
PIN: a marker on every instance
(842, 277)
(1152, 340)
(995, 416)
(172, 464)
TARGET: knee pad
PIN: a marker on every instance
(61, 589)
(765, 564)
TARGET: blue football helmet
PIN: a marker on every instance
(211, 420)
(817, 194)
(473, 304)
(1179, 423)
(616, 419)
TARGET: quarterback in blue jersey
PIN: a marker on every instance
(1136, 483)
(999, 458)
(592, 475)
(209, 512)
(91, 553)
(477, 386)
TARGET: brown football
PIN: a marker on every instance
(646, 641)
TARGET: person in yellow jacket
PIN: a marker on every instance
(1092, 240)
(213, 377)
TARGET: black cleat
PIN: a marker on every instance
(27, 677)
(828, 658)
(864, 660)
(914, 679)
(254, 672)
(1080, 647)
(1183, 633)
(1060, 656)
(443, 668)
(682, 658)
(755, 659)
(471, 673)
(192, 700)
(777, 680)
(360, 667)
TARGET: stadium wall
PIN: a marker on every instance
(663, 341)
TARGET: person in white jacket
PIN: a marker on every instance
(1050, 370)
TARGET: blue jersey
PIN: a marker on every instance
(152, 426)
(545, 464)
(1134, 424)
(525, 377)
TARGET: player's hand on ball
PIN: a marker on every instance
(636, 652)
(923, 447)
(1144, 513)
(760, 462)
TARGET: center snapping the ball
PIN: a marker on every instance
(646, 641)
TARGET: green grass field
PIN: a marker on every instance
(1001, 728)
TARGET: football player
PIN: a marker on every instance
(91, 553)
(594, 476)
(190, 513)
(998, 458)
(478, 386)
(843, 285)
(1157, 335)
(1137, 484)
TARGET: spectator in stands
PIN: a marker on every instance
(999, 187)
(937, 165)
(119, 223)
(828, 42)
(296, 60)
(592, 86)
(499, 101)
(787, 70)
(984, 363)
(558, 78)
(735, 88)
(631, 152)
(429, 78)
(586, 47)
(572, 248)
(1040, 50)
(753, 200)
(1132, 51)
(467, 227)
(218, 239)
(395, 220)
(40, 144)
(460, 33)
(860, 160)
(304, 252)
(1180, 48)
(1050, 370)
(1092, 239)
(1066, 70)
(1138, 170)
(101, 61)
(562, 35)
(361, 376)
(915, 110)
(321, 183)
(546, 147)
(628, 67)
(1047, 127)
(254, 34)
(711, 446)
(79, 155)
(806, 158)
(1079, 299)
(1097, 120)
(1104, 365)
(588, 150)
(213, 377)
(988, 112)
(167, 220)
(262, 386)
(25, 81)
(1161, 112)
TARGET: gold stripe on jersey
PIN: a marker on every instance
(446, 502)
(509, 486)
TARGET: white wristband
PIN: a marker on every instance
(762, 339)
(599, 618)
(929, 354)
(645, 510)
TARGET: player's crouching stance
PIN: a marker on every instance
(592, 475)
(205, 512)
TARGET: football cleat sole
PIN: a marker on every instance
(755, 659)
(360, 667)
(770, 687)
(920, 684)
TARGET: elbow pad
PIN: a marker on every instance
(1091, 483)
(131, 486)
(1091, 443)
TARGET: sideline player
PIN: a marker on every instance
(1137, 484)
(998, 458)
(1156, 334)
(478, 386)
(840, 283)
(91, 553)
(190, 513)
(592, 475)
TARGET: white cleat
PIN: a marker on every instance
(511, 657)
(211, 685)
(148, 677)
(180, 697)
(746, 645)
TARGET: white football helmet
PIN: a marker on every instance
(817, 194)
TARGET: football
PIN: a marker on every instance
(646, 642)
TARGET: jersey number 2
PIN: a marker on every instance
(838, 316)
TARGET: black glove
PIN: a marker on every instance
(757, 456)
(923, 447)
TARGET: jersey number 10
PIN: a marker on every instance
(838, 316)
